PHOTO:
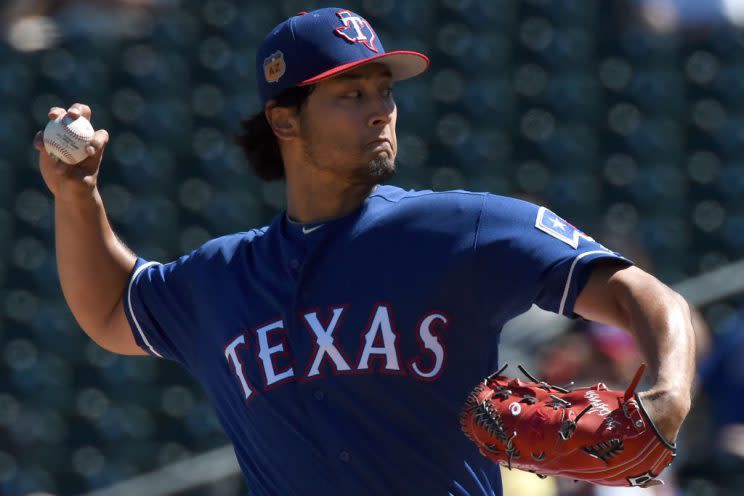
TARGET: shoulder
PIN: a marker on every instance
(226, 248)
(398, 199)
(452, 201)
(506, 208)
(206, 261)
(394, 194)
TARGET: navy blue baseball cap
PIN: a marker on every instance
(313, 46)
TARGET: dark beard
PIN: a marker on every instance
(379, 170)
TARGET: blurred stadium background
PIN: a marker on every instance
(625, 116)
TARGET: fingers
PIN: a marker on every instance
(39, 141)
(75, 111)
(79, 109)
(95, 147)
(98, 143)
(55, 112)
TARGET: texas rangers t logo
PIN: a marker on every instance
(356, 29)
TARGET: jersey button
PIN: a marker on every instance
(294, 264)
(344, 456)
(318, 394)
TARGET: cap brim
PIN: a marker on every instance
(403, 64)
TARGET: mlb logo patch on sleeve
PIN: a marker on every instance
(548, 222)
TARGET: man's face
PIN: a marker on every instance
(347, 126)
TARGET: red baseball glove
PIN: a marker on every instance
(591, 433)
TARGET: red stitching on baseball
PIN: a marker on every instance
(68, 130)
(61, 150)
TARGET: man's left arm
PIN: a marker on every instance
(659, 319)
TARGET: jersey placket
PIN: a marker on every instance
(314, 397)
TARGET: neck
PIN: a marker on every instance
(318, 196)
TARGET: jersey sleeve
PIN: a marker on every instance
(159, 303)
(526, 254)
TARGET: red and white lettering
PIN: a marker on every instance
(266, 350)
(380, 327)
(324, 342)
(430, 342)
(238, 366)
(379, 341)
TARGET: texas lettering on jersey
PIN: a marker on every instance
(379, 341)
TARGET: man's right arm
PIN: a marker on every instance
(93, 264)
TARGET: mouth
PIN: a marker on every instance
(379, 142)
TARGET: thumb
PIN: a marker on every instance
(98, 143)
(94, 149)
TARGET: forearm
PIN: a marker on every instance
(93, 264)
(661, 321)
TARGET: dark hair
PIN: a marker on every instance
(257, 139)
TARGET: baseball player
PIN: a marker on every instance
(338, 343)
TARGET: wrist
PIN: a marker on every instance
(679, 398)
(78, 197)
(666, 410)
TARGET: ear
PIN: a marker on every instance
(284, 121)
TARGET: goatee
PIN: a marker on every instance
(379, 170)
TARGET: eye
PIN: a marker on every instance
(354, 94)
(388, 91)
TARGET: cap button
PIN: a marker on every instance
(302, 12)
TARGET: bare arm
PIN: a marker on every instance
(660, 320)
(93, 265)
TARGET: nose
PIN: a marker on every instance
(382, 112)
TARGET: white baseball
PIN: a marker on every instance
(65, 139)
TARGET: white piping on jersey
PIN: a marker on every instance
(131, 311)
(570, 275)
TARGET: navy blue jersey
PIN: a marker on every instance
(338, 354)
